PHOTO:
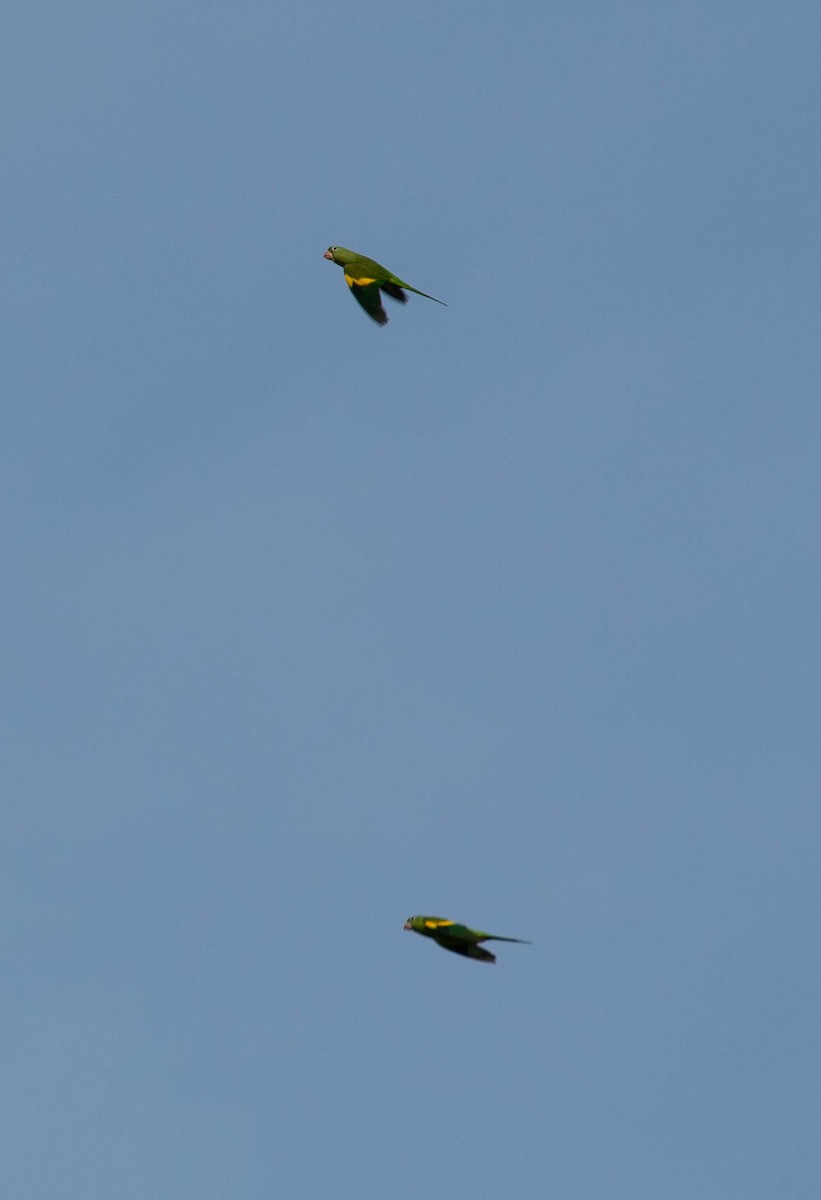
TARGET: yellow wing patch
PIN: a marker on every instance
(437, 923)
(361, 281)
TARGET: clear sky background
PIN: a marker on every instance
(507, 612)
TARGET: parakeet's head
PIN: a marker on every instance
(339, 254)
(417, 924)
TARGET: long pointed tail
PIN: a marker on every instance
(426, 295)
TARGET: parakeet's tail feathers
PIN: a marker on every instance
(425, 294)
(495, 938)
(395, 292)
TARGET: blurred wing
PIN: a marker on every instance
(366, 291)
(468, 949)
(395, 292)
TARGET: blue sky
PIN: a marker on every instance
(506, 612)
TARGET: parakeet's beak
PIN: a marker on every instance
(407, 925)
(327, 254)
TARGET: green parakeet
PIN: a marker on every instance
(458, 938)
(367, 280)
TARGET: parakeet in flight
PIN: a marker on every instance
(367, 279)
(458, 938)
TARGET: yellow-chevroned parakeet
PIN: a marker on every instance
(458, 938)
(367, 279)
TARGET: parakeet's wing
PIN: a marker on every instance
(366, 291)
(458, 933)
(467, 948)
(393, 290)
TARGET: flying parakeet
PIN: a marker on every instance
(458, 938)
(366, 278)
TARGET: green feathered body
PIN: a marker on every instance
(367, 280)
(458, 938)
